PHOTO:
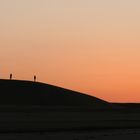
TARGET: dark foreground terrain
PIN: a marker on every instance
(121, 134)
(31, 110)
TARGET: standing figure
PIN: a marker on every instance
(11, 76)
(34, 78)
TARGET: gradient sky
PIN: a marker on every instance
(92, 46)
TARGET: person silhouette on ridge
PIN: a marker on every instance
(34, 78)
(11, 76)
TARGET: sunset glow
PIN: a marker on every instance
(91, 46)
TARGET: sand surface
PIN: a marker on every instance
(93, 135)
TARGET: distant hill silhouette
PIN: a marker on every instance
(32, 107)
(16, 92)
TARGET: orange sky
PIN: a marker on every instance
(84, 45)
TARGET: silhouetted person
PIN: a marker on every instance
(11, 76)
(34, 78)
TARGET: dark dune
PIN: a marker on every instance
(128, 105)
(27, 106)
(16, 92)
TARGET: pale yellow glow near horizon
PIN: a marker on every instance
(91, 46)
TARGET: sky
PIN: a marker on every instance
(91, 46)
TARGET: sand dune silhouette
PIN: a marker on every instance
(16, 92)
(32, 107)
